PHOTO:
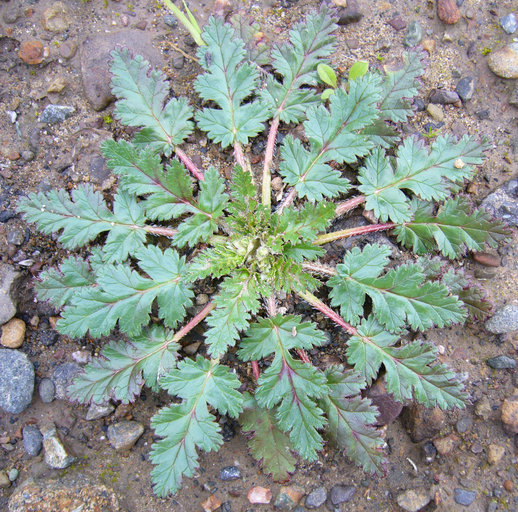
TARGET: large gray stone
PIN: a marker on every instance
(8, 276)
(16, 381)
(96, 60)
(504, 320)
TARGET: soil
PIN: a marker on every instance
(23, 89)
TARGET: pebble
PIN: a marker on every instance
(397, 23)
(503, 203)
(388, 408)
(56, 455)
(13, 333)
(96, 411)
(47, 390)
(316, 498)
(504, 320)
(341, 494)
(482, 115)
(501, 362)
(32, 440)
(508, 486)
(57, 85)
(259, 495)
(429, 452)
(16, 381)
(82, 356)
(170, 20)
(504, 62)
(445, 445)
(288, 497)
(230, 473)
(13, 474)
(16, 237)
(178, 62)
(413, 500)
(466, 88)
(141, 25)
(444, 97)
(53, 114)
(4, 480)
(125, 434)
(464, 496)
(513, 100)
(428, 45)
(510, 414)
(11, 15)
(350, 13)
(487, 259)
(63, 376)
(483, 408)
(55, 18)
(68, 49)
(435, 112)
(48, 337)
(448, 11)
(31, 52)
(414, 35)
(464, 424)
(495, 453)
(422, 422)
(509, 23)
(211, 504)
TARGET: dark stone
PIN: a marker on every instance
(429, 452)
(501, 362)
(349, 14)
(16, 381)
(464, 496)
(230, 473)
(341, 494)
(466, 88)
(32, 440)
(53, 114)
(6, 215)
(482, 115)
(170, 20)
(62, 378)
(421, 422)
(388, 408)
(48, 337)
(464, 424)
(443, 97)
(96, 60)
(397, 23)
(47, 391)
(513, 100)
(316, 498)
(419, 105)
(98, 170)
(414, 35)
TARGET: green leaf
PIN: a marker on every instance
(398, 297)
(410, 369)
(296, 62)
(219, 384)
(351, 419)
(304, 224)
(236, 301)
(124, 296)
(265, 336)
(429, 175)
(326, 94)
(452, 230)
(85, 216)
(59, 286)
(250, 32)
(141, 97)
(358, 69)
(228, 82)
(268, 445)
(123, 367)
(327, 74)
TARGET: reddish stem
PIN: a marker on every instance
(240, 157)
(157, 230)
(346, 233)
(268, 159)
(194, 321)
(288, 200)
(348, 205)
(303, 356)
(255, 370)
(189, 164)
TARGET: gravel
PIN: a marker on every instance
(47, 391)
(504, 320)
(466, 88)
(32, 440)
(8, 277)
(501, 362)
(16, 381)
(341, 494)
(125, 434)
(464, 496)
(316, 498)
(53, 114)
(230, 473)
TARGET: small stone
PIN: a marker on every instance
(464, 496)
(482, 115)
(57, 85)
(341, 494)
(32, 440)
(63, 376)
(13, 333)
(48, 337)
(16, 237)
(429, 452)
(421, 422)
(13, 474)
(81, 356)
(495, 454)
(501, 362)
(277, 183)
(4, 480)
(141, 25)
(56, 455)
(349, 14)
(211, 504)
(448, 11)
(504, 62)
(414, 35)
(68, 49)
(509, 23)
(413, 500)
(55, 18)
(397, 23)
(53, 114)
(510, 414)
(47, 391)
(98, 411)
(445, 445)
(259, 495)
(16, 381)
(436, 113)
(230, 473)
(444, 97)
(504, 320)
(465, 88)
(477, 447)
(125, 434)
(11, 15)
(288, 497)
(170, 20)
(31, 52)
(202, 299)
(428, 45)
(316, 498)
(178, 62)
(464, 424)
(192, 348)
(388, 408)
(513, 100)
(508, 486)
(483, 408)
(486, 259)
